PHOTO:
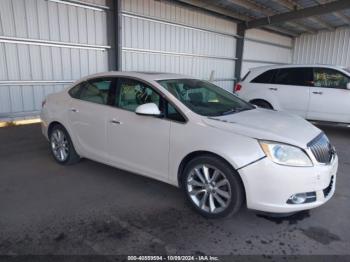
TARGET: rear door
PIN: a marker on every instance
(330, 99)
(258, 87)
(88, 116)
(292, 89)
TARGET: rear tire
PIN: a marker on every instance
(61, 145)
(262, 104)
(212, 187)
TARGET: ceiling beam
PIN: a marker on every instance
(300, 27)
(338, 14)
(299, 14)
(281, 30)
(292, 5)
(250, 5)
(206, 5)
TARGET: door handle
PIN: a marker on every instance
(317, 93)
(116, 122)
(74, 110)
(273, 88)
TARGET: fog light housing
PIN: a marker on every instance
(302, 198)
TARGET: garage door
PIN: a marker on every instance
(45, 45)
(167, 37)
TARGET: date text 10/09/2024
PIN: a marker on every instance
(173, 258)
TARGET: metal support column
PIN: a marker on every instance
(239, 51)
(114, 24)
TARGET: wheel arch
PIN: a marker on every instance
(272, 101)
(52, 125)
(261, 100)
(198, 153)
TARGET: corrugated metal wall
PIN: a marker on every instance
(265, 48)
(44, 45)
(323, 48)
(47, 44)
(167, 37)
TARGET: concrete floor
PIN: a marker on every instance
(90, 208)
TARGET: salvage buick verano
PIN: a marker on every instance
(220, 150)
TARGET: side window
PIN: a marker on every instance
(95, 91)
(330, 78)
(265, 78)
(173, 114)
(294, 76)
(133, 93)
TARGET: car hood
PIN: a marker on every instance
(267, 125)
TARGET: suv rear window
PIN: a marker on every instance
(265, 78)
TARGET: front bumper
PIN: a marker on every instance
(268, 185)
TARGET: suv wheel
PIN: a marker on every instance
(212, 187)
(262, 104)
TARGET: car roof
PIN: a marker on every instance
(148, 76)
(261, 68)
(254, 72)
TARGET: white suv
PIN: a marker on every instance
(314, 92)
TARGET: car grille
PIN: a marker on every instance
(328, 189)
(322, 149)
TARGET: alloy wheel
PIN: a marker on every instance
(59, 145)
(209, 188)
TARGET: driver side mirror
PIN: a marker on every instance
(348, 85)
(149, 109)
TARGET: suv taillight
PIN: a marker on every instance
(237, 88)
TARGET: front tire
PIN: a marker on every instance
(212, 187)
(62, 148)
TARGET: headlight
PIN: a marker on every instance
(285, 154)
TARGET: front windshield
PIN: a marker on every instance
(205, 98)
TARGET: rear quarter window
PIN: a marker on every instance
(265, 78)
(74, 91)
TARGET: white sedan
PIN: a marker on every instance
(220, 150)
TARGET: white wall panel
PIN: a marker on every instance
(265, 48)
(167, 37)
(44, 20)
(269, 36)
(323, 48)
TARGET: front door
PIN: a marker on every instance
(138, 143)
(329, 98)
